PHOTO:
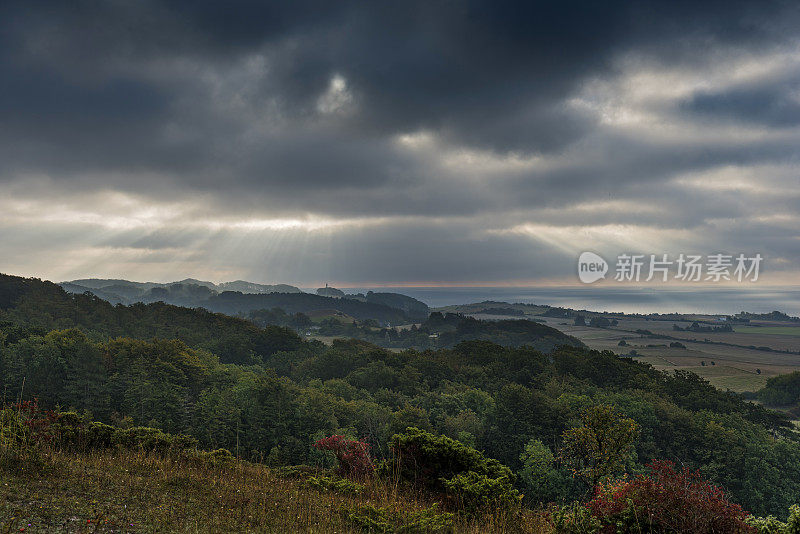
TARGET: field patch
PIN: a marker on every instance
(769, 330)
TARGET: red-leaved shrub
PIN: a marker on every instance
(26, 423)
(353, 456)
(666, 500)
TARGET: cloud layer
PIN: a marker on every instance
(469, 142)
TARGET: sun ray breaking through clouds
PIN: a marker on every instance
(323, 149)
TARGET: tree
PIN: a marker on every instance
(599, 322)
(600, 447)
(300, 320)
(545, 482)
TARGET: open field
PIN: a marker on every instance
(727, 367)
(778, 338)
(739, 360)
(769, 330)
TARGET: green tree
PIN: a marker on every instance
(544, 480)
(601, 445)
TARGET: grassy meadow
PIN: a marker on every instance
(737, 356)
(124, 491)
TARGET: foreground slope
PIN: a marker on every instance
(280, 394)
(139, 492)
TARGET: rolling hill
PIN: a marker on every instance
(242, 297)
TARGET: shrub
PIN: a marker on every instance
(426, 460)
(24, 424)
(428, 520)
(476, 493)
(98, 435)
(297, 471)
(24, 428)
(370, 518)
(218, 457)
(353, 456)
(441, 464)
(771, 525)
(385, 519)
(151, 439)
(666, 500)
(13, 429)
(335, 484)
(66, 427)
(573, 518)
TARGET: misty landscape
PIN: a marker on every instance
(404, 267)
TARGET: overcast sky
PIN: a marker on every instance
(368, 143)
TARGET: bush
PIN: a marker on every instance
(353, 456)
(441, 464)
(66, 428)
(218, 457)
(335, 484)
(385, 519)
(297, 471)
(475, 493)
(24, 427)
(151, 439)
(573, 518)
(426, 460)
(98, 435)
(666, 500)
(13, 428)
(771, 525)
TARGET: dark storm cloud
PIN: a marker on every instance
(486, 74)
(481, 112)
(776, 104)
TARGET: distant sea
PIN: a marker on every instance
(722, 300)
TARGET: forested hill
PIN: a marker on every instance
(234, 302)
(547, 416)
(29, 305)
(235, 298)
(41, 306)
(448, 330)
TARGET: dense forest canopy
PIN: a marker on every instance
(782, 391)
(268, 394)
(437, 331)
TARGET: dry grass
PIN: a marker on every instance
(118, 491)
(737, 366)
